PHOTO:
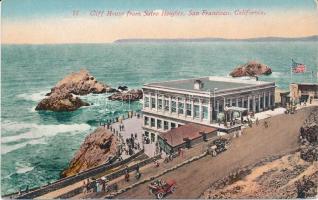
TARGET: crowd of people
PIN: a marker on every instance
(98, 185)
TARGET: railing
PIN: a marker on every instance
(72, 179)
(111, 176)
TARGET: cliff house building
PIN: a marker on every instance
(171, 104)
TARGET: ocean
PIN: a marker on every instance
(37, 146)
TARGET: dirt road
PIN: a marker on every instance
(255, 144)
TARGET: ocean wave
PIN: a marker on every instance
(277, 74)
(97, 100)
(22, 168)
(8, 148)
(37, 131)
(37, 96)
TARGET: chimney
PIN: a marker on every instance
(198, 85)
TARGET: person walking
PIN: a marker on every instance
(84, 187)
(137, 168)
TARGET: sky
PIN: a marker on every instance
(86, 21)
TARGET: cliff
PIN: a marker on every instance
(97, 148)
(251, 68)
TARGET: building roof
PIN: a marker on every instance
(209, 83)
(175, 136)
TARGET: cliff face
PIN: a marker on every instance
(251, 68)
(97, 148)
(61, 97)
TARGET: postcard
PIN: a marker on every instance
(159, 99)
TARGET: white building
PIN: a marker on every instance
(171, 104)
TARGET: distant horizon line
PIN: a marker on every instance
(199, 39)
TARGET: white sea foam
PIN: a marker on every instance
(277, 74)
(37, 96)
(36, 131)
(22, 168)
(8, 148)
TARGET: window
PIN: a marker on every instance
(272, 100)
(166, 105)
(146, 133)
(204, 112)
(251, 104)
(220, 107)
(233, 102)
(152, 122)
(160, 104)
(266, 100)
(173, 125)
(159, 124)
(245, 103)
(165, 125)
(153, 103)
(179, 125)
(153, 136)
(240, 103)
(173, 106)
(262, 102)
(146, 121)
(180, 108)
(147, 102)
(228, 102)
(196, 111)
(189, 109)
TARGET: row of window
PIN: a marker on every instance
(244, 103)
(188, 110)
(188, 98)
(152, 136)
(161, 124)
(196, 108)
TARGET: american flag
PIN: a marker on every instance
(298, 67)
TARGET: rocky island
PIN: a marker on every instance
(252, 68)
(62, 96)
(97, 149)
(130, 95)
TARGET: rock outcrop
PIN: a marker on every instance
(131, 95)
(61, 102)
(251, 68)
(80, 83)
(61, 97)
(97, 149)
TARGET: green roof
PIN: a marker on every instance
(208, 84)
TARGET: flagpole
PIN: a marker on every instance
(291, 73)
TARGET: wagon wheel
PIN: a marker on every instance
(160, 195)
(173, 189)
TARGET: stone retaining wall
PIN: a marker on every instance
(73, 179)
(112, 176)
